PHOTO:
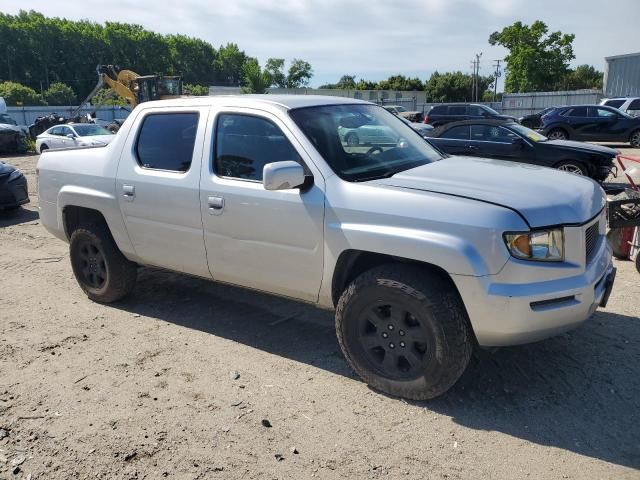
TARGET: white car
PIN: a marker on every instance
(73, 135)
(628, 105)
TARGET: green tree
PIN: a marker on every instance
(366, 85)
(300, 72)
(106, 96)
(346, 82)
(454, 86)
(275, 68)
(255, 80)
(229, 64)
(400, 82)
(16, 94)
(60, 94)
(584, 76)
(196, 90)
(536, 59)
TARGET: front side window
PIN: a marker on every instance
(604, 113)
(66, 131)
(476, 111)
(166, 141)
(385, 144)
(634, 105)
(245, 144)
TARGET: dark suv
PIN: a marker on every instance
(455, 112)
(596, 123)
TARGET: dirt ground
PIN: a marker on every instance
(180, 380)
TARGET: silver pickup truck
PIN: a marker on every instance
(422, 255)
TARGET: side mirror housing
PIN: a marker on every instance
(70, 135)
(284, 175)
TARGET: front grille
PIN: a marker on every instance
(591, 236)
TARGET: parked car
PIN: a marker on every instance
(422, 128)
(73, 135)
(628, 105)
(591, 122)
(535, 119)
(421, 255)
(456, 112)
(12, 139)
(515, 142)
(13, 187)
(413, 116)
(354, 131)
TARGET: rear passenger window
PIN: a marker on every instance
(457, 110)
(245, 144)
(577, 112)
(492, 133)
(457, 133)
(166, 141)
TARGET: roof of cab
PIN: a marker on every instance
(288, 102)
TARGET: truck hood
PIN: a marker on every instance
(582, 147)
(542, 196)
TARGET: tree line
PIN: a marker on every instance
(48, 60)
(52, 61)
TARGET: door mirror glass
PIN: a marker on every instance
(70, 135)
(282, 175)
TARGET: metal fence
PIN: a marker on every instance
(27, 115)
(519, 104)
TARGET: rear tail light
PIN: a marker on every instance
(426, 119)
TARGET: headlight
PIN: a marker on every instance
(16, 174)
(541, 245)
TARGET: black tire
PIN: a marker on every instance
(638, 262)
(44, 147)
(352, 139)
(113, 127)
(100, 268)
(634, 139)
(557, 134)
(422, 308)
(572, 166)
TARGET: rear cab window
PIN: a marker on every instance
(166, 141)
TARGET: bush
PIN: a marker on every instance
(106, 96)
(60, 94)
(196, 90)
(16, 94)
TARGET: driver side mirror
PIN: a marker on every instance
(70, 135)
(284, 175)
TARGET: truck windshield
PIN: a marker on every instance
(363, 142)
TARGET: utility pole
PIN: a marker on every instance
(473, 79)
(475, 89)
(495, 81)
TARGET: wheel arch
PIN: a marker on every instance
(74, 216)
(352, 263)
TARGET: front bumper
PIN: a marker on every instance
(513, 313)
(13, 194)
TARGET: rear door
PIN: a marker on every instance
(579, 122)
(495, 142)
(457, 113)
(158, 187)
(454, 140)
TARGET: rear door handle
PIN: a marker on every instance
(215, 204)
(128, 192)
(472, 147)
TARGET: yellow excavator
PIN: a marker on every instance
(133, 88)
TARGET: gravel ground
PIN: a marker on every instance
(188, 379)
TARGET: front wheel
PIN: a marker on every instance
(100, 268)
(352, 140)
(635, 139)
(557, 134)
(572, 167)
(404, 331)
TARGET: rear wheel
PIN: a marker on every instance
(572, 166)
(100, 268)
(635, 139)
(557, 134)
(44, 147)
(404, 331)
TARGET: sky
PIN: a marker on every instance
(370, 39)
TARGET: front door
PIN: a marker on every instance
(495, 142)
(267, 240)
(157, 186)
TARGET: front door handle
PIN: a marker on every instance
(215, 204)
(128, 192)
(472, 147)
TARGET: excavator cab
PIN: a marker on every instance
(156, 87)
